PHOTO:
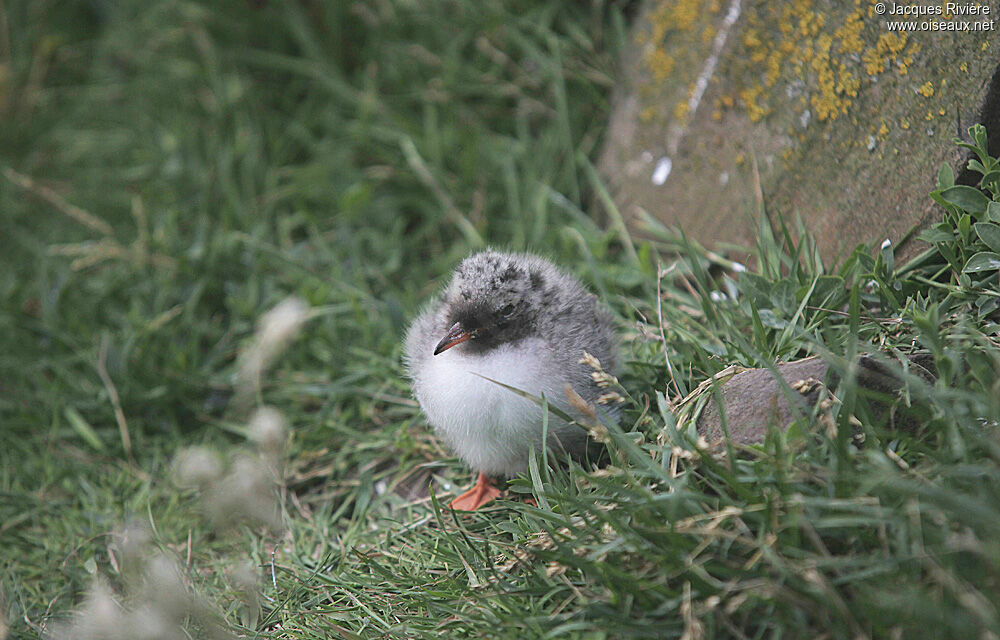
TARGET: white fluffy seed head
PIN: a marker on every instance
(196, 467)
(274, 331)
(248, 493)
(133, 543)
(268, 429)
(99, 618)
(165, 586)
(244, 576)
(149, 622)
(281, 323)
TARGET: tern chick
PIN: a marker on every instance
(519, 320)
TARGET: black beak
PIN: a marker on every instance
(455, 335)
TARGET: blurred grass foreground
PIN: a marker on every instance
(217, 220)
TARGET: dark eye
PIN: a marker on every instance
(506, 311)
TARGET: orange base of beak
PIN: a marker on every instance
(482, 493)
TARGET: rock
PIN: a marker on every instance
(753, 400)
(815, 107)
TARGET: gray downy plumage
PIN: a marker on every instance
(515, 319)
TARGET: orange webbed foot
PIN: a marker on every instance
(482, 493)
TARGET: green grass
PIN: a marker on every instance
(350, 155)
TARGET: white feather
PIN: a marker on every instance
(486, 424)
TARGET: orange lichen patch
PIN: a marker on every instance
(681, 111)
(886, 50)
(773, 70)
(756, 46)
(883, 130)
(847, 82)
(791, 40)
(708, 34)
(660, 64)
(676, 16)
(849, 33)
(795, 57)
(685, 29)
(874, 63)
(648, 114)
(825, 101)
(751, 102)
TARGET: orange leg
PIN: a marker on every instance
(482, 493)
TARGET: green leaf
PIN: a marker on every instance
(978, 132)
(989, 233)
(827, 292)
(888, 256)
(964, 227)
(967, 198)
(83, 428)
(993, 211)
(938, 233)
(946, 176)
(992, 176)
(987, 305)
(768, 318)
(977, 166)
(982, 261)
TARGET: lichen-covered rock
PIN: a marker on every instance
(822, 106)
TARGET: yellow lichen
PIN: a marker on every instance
(681, 110)
(886, 50)
(773, 71)
(847, 82)
(849, 33)
(750, 97)
(874, 63)
(660, 64)
(682, 15)
(648, 114)
(775, 48)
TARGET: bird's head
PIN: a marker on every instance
(493, 298)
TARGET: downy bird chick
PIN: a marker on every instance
(519, 320)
